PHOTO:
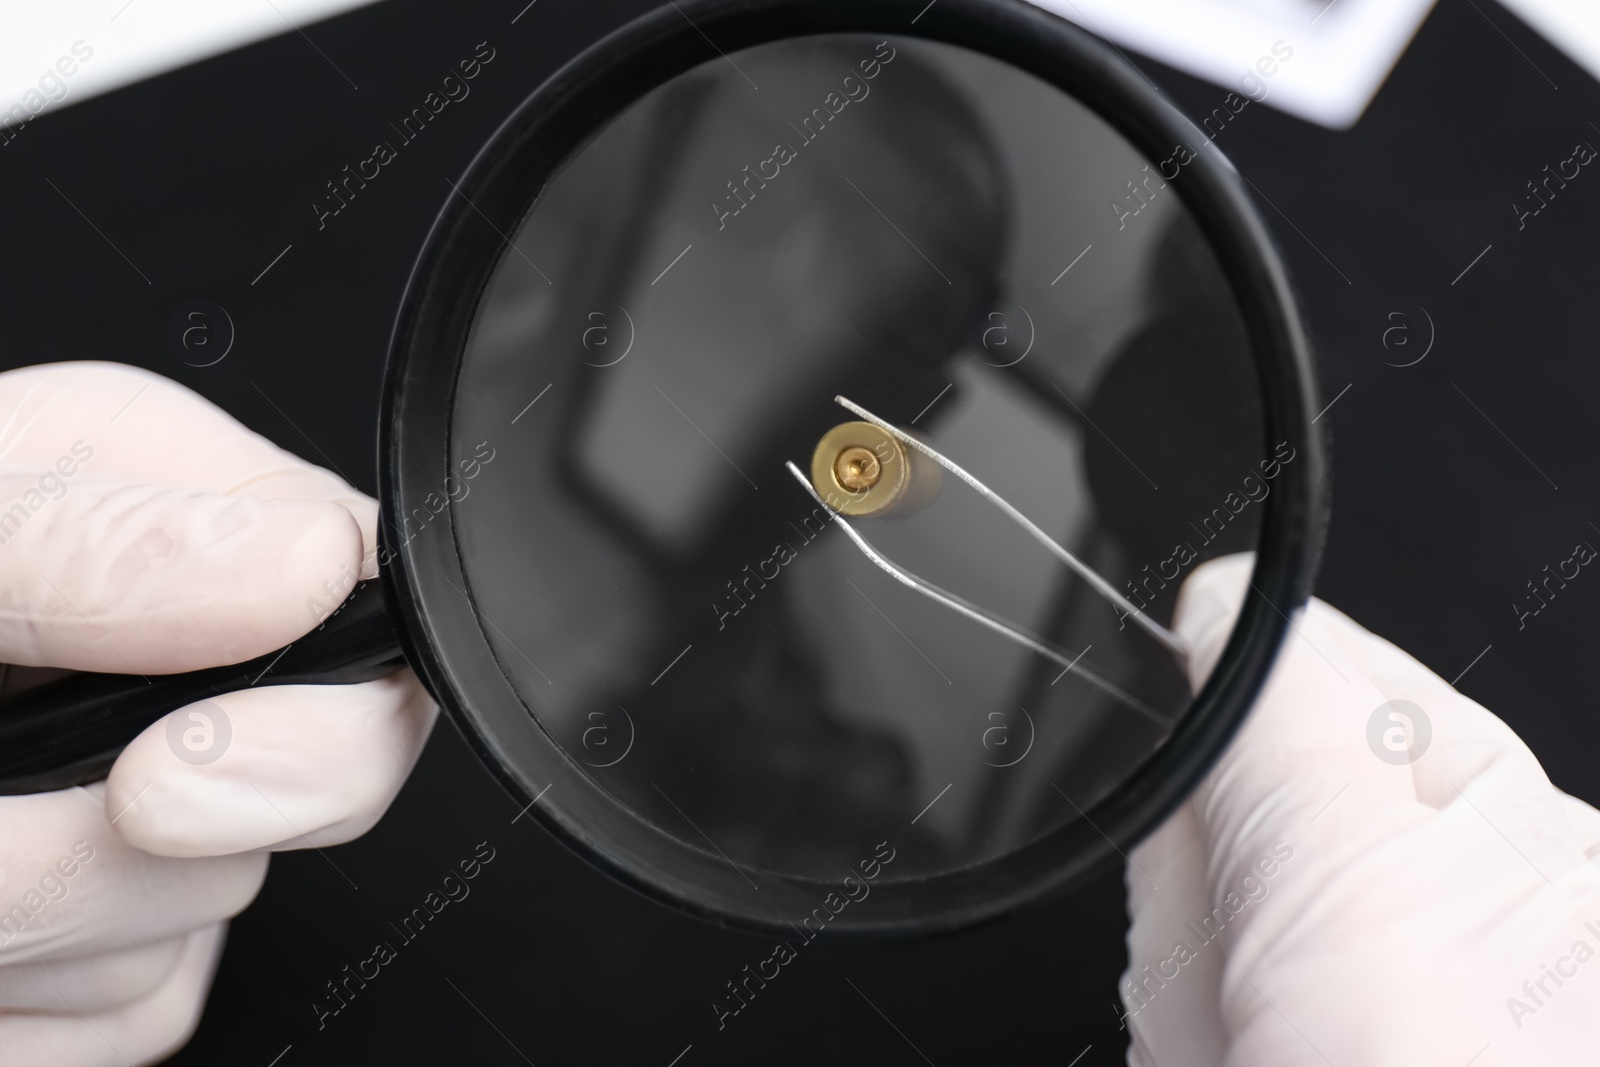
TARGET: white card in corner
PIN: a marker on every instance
(1320, 61)
(1571, 26)
(57, 53)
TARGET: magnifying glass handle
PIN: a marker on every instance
(70, 732)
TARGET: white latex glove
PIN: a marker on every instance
(1368, 913)
(155, 534)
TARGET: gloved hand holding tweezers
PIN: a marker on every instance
(1344, 888)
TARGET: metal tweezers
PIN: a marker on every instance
(982, 615)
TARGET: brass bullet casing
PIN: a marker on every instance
(860, 469)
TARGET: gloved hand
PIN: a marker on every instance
(1316, 903)
(143, 530)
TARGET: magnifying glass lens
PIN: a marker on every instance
(982, 264)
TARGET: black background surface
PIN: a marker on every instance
(203, 175)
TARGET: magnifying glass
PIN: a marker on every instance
(797, 428)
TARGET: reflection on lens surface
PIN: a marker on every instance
(972, 256)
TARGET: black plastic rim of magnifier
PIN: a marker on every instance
(446, 641)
